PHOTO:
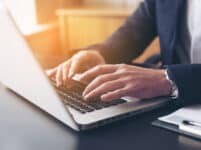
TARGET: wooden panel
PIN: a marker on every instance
(83, 31)
(83, 26)
(45, 9)
(86, 25)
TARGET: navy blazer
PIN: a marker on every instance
(155, 18)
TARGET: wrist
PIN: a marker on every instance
(166, 86)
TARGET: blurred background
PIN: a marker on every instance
(56, 28)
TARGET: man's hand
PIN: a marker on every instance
(116, 81)
(79, 63)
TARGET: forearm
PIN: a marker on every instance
(188, 81)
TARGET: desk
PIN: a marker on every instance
(24, 127)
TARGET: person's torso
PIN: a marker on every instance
(179, 29)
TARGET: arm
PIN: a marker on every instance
(188, 81)
(132, 37)
(128, 42)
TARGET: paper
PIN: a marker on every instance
(191, 113)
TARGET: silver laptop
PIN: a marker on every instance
(21, 73)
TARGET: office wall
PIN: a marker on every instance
(121, 2)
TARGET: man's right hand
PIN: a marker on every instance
(79, 63)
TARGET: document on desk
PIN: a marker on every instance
(186, 120)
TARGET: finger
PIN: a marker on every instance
(98, 81)
(104, 88)
(95, 71)
(74, 68)
(51, 72)
(59, 76)
(65, 70)
(114, 95)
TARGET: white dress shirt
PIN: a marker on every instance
(194, 28)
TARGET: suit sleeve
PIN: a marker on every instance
(188, 81)
(132, 37)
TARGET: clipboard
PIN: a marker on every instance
(174, 128)
(185, 121)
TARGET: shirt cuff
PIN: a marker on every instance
(174, 89)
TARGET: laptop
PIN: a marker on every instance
(21, 72)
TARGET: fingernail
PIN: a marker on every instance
(86, 98)
(58, 84)
(70, 75)
(84, 93)
(76, 77)
(104, 98)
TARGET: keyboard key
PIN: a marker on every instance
(72, 96)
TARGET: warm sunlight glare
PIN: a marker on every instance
(24, 13)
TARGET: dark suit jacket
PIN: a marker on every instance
(155, 18)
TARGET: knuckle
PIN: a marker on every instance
(121, 72)
(99, 79)
(129, 87)
(108, 84)
(63, 67)
(59, 66)
(120, 91)
(58, 70)
(98, 68)
(121, 66)
(105, 85)
(65, 63)
(57, 75)
(129, 79)
(123, 90)
(123, 69)
(124, 72)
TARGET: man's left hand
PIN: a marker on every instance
(115, 81)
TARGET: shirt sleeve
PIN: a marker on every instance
(188, 80)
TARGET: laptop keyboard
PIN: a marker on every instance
(72, 96)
